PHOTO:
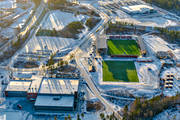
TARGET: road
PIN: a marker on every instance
(93, 88)
(79, 53)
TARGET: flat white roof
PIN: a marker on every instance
(35, 85)
(59, 86)
(18, 86)
(156, 43)
(137, 8)
(101, 41)
(54, 101)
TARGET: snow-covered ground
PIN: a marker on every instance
(153, 21)
(51, 43)
(170, 114)
(160, 19)
(58, 20)
(21, 20)
(18, 16)
(8, 4)
(148, 73)
(10, 115)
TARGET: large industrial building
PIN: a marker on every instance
(57, 94)
(138, 9)
(55, 102)
(48, 93)
(17, 88)
(156, 45)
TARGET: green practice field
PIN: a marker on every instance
(123, 47)
(119, 71)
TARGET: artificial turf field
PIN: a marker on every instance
(123, 47)
(119, 71)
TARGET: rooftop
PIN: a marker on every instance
(156, 43)
(18, 86)
(101, 42)
(59, 86)
(137, 8)
(36, 82)
(54, 101)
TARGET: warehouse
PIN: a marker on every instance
(156, 45)
(138, 9)
(34, 88)
(57, 94)
(54, 102)
(17, 88)
(59, 86)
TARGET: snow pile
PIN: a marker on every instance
(59, 20)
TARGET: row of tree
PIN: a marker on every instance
(170, 34)
(107, 117)
(142, 109)
(166, 4)
(37, 2)
(70, 31)
(92, 22)
(120, 27)
(79, 116)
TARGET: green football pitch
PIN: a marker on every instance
(119, 71)
(123, 47)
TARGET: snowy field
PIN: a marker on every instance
(51, 43)
(58, 20)
(55, 19)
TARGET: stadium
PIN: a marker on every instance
(123, 47)
(119, 71)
